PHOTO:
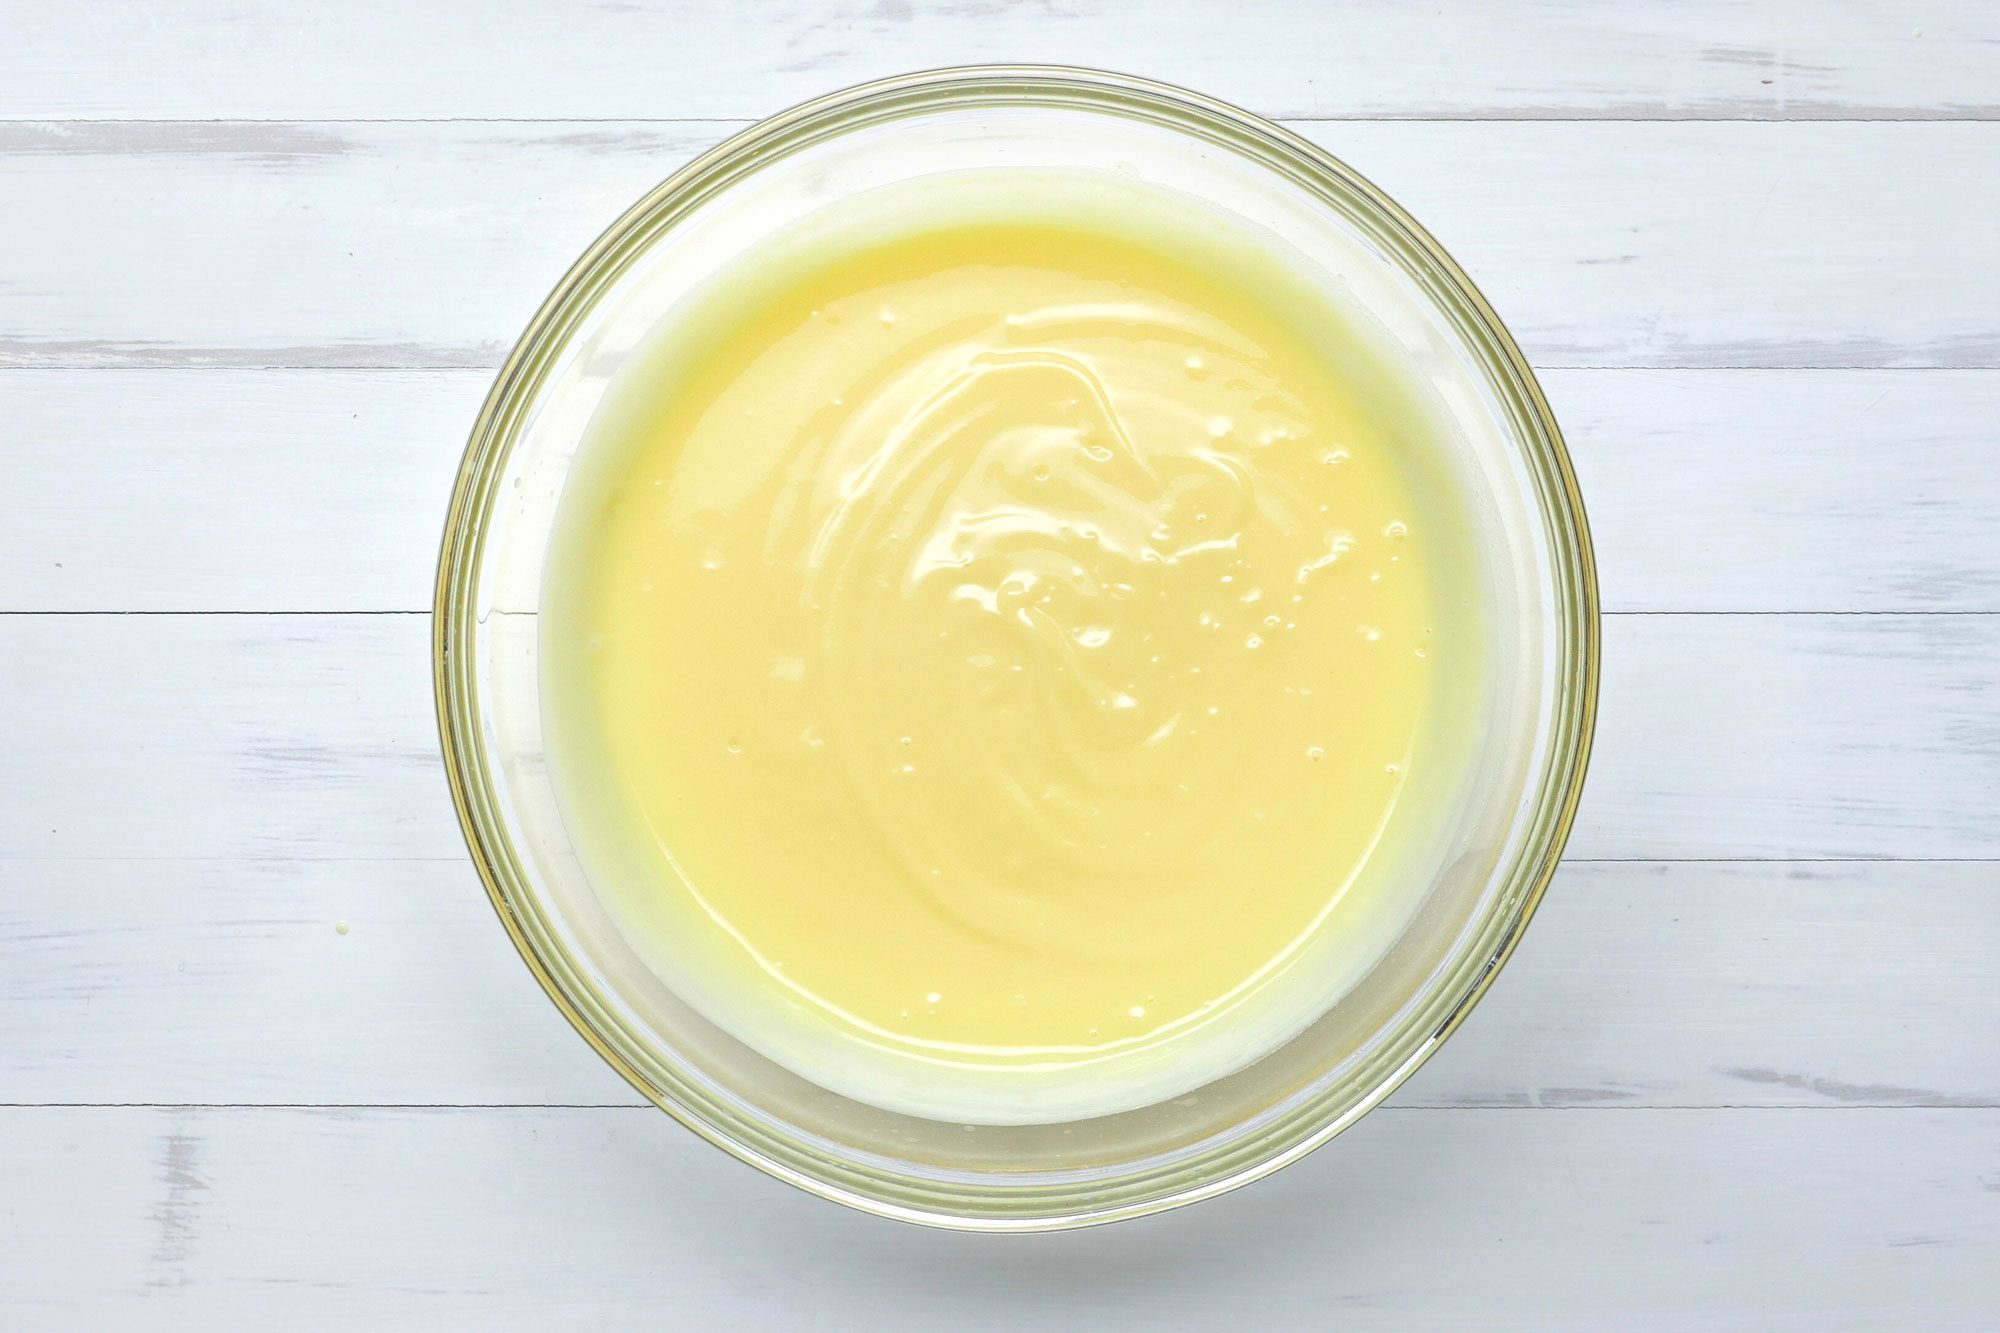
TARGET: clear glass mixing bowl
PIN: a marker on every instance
(1537, 574)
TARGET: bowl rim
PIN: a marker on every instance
(470, 780)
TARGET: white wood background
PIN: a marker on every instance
(257, 261)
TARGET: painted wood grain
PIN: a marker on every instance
(1641, 985)
(312, 737)
(523, 59)
(1413, 1219)
(425, 245)
(1795, 736)
(241, 736)
(1788, 491)
(232, 490)
(193, 801)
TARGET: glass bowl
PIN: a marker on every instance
(1531, 542)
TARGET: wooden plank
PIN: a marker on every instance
(1788, 490)
(1795, 736)
(415, 245)
(234, 490)
(165, 737)
(455, 1219)
(277, 244)
(230, 490)
(1740, 984)
(1283, 57)
(239, 968)
(1641, 985)
(311, 737)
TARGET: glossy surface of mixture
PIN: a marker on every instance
(984, 657)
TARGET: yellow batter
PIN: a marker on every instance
(986, 642)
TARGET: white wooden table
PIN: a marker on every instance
(257, 262)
